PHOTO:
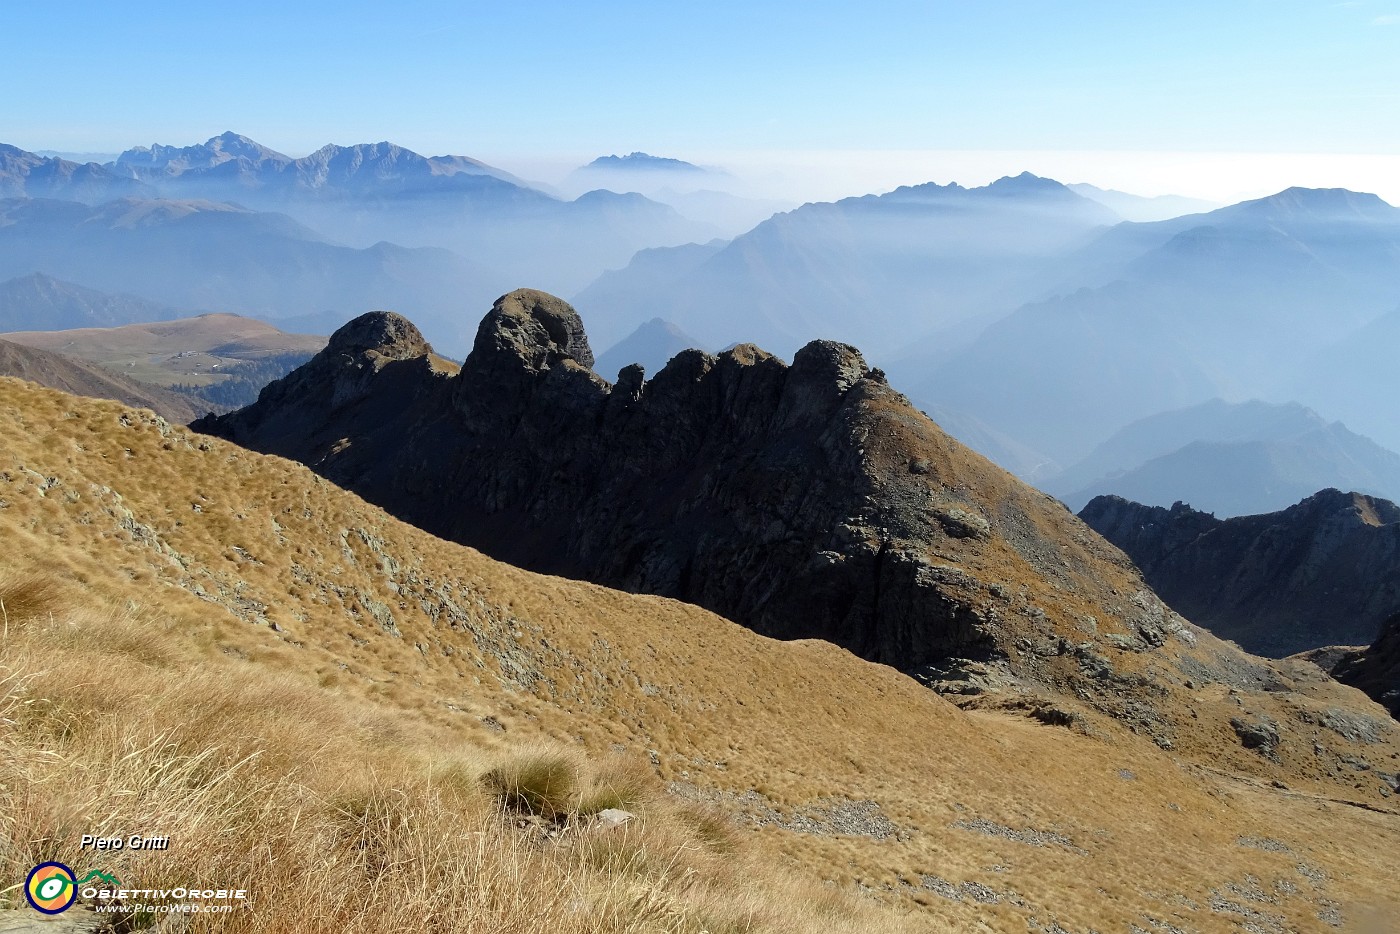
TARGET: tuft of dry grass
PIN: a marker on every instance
(26, 597)
(542, 782)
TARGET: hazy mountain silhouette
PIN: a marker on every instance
(639, 171)
(194, 254)
(27, 175)
(641, 160)
(38, 302)
(1356, 377)
(1006, 452)
(652, 346)
(1230, 459)
(880, 269)
(1140, 208)
(658, 271)
(1230, 303)
(372, 192)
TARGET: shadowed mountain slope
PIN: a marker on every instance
(1323, 572)
(1376, 669)
(804, 501)
(1373, 668)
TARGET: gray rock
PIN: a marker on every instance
(1260, 735)
(614, 817)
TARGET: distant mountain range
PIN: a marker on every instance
(27, 175)
(639, 160)
(1026, 311)
(372, 192)
(236, 165)
(1229, 459)
(1325, 571)
(1138, 208)
(40, 302)
(199, 254)
(1154, 317)
(1036, 323)
(369, 193)
(881, 270)
(707, 195)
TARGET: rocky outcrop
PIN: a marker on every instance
(804, 500)
(1323, 572)
(1375, 669)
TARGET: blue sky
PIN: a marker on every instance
(556, 80)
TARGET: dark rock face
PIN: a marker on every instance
(1323, 572)
(1376, 670)
(805, 501)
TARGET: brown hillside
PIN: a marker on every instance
(981, 820)
(194, 351)
(86, 379)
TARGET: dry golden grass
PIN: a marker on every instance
(267, 784)
(305, 689)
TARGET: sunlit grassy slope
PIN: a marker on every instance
(325, 705)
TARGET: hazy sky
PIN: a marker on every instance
(855, 92)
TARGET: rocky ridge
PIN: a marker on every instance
(805, 501)
(1374, 669)
(1323, 572)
